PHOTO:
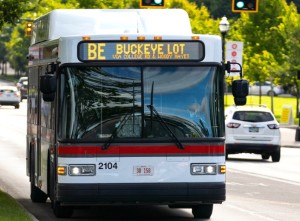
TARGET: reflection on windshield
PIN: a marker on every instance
(104, 102)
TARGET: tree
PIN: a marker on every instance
(263, 40)
(200, 18)
(17, 46)
(11, 10)
(290, 30)
(217, 8)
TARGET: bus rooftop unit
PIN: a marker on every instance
(126, 107)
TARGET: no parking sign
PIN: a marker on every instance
(234, 53)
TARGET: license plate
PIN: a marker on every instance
(253, 129)
(143, 170)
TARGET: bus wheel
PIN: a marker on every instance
(203, 211)
(61, 211)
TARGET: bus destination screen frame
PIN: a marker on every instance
(165, 50)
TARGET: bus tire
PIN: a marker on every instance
(202, 211)
(36, 195)
(61, 211)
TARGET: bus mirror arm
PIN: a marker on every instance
(227, 67)
(240, 87)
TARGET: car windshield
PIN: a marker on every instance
(253, 116)
(139, 102)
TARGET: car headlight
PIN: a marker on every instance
(82, 170)
(203, 169)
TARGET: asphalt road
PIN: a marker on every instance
(256, 189)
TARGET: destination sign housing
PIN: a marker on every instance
(140, 50)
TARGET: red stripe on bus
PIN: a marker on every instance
(142, 150)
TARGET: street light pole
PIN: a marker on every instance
(224, 27)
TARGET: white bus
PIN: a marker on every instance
(125, 107)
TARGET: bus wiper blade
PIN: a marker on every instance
(108, 142)
(114, 133)
(165, 125)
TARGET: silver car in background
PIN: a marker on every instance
(266, 89)
(10, 95)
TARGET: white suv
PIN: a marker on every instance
(252, 129)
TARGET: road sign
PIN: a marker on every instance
(234, 53)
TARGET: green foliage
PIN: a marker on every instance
(10, 10)
(270, 41)
(201, 20)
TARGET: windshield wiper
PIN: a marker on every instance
(114, 133)
(165, 125)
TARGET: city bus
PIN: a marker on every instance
(125, 107)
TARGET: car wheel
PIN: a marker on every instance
(265, 156)
(17, 106)
(270, 93)
(276, 156)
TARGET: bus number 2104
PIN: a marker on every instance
(107, 166)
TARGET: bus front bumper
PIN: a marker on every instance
(144, 193)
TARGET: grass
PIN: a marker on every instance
(278, 103)
(10, 210)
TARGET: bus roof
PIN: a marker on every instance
(71, 22)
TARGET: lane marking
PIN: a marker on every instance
(265, 177)
(252, 213)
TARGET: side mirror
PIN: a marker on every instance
(48, 83)
(240, 90)
(48, 87)
(49, 97)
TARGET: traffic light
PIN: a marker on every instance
(244, 6)
(152, 3)
(28, 30)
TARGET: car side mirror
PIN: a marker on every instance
(240, 90)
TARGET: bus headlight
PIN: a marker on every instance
(203, 169)
(82, 170)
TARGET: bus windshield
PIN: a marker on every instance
(97, 102)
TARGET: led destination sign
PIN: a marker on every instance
(137, 50)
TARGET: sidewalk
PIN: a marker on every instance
(288, 135)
